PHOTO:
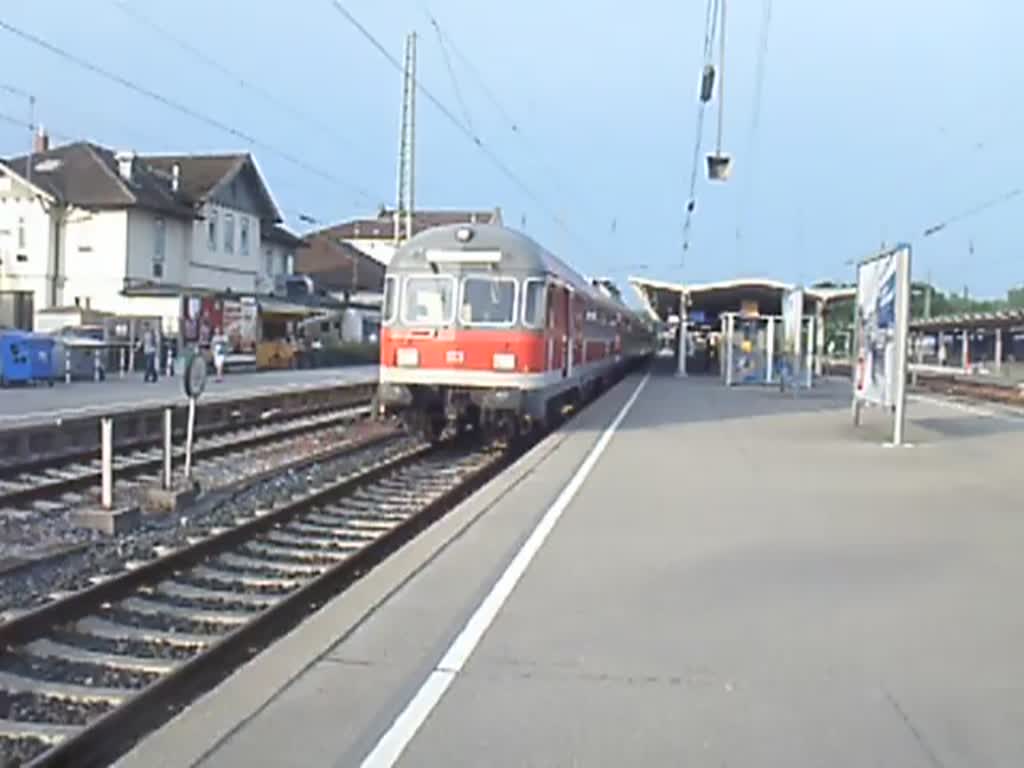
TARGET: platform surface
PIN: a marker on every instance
(21, 406)
(743, 579)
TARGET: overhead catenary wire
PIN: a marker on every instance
(180, 107)
(243, 82)
(515, 126)
(461, 126)
(755, 122)
(451, 74)
(710, 31)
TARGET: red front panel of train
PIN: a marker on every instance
(472, 350)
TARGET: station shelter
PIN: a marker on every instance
(982, 342)
(695, 313)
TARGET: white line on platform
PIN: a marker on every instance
(400, 734)
(953, 405)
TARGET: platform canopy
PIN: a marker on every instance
(1005, 319)
(661, 298)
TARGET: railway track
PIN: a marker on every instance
(68, 477)
(985, 390)
(83, 675)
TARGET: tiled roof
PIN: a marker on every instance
(382, 226)
(86, 174)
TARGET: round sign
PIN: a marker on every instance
(195, 376)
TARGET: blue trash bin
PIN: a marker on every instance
(15, 358)
(41, 350)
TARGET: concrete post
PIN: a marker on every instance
(681, 369)
(819, 345)
(965, 352)
(107, 457)
(168, 446)
(999, 350)
(771, 349)
(96, 365)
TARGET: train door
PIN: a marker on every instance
(551, 328)
(570, 332)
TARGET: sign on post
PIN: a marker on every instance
(881, 330)
(195, 382)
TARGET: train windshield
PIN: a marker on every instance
(488, 301)
(429, 301)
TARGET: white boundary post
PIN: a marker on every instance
(902, 335)
(168, 447)
(819, 339)
(771, 348)
(999, 350)
(189, 434)
(107, 457)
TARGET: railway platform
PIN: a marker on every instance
(682, 575)
(28, 406)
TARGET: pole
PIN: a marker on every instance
(721, 79)
(107, 457)
(730, 324)
(999, 350)
(189, 434)
(771, 349)
(903, 332)
(411, 192)
(681, 366)
(168, 446)
(809, 355)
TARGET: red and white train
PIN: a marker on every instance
(481, 326)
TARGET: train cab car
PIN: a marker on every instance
(483, 328)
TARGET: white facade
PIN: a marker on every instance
(65, 255)
(26, 235)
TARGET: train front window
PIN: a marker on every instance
(429, 300)
(534, 304)
(488, 301)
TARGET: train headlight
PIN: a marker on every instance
(504, 361)
(407, 357)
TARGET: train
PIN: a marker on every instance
(482, 329)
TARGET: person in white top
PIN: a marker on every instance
(219, 344)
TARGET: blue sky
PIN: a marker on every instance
(878, 119)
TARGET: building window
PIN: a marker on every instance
(286, 264)
(159, 246)
(211, 229)
(159, 238)
(243, 236)
(268, 257)
(229, 233)
(21, 232)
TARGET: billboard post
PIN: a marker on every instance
(882, 327)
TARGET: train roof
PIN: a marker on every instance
(518, 253)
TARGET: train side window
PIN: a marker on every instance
(535, 304)
(390, 304)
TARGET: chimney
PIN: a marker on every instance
(125, 164)
(41, 142)
(175, 177)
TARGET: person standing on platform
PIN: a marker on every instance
(220, 351)
(149, 349)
